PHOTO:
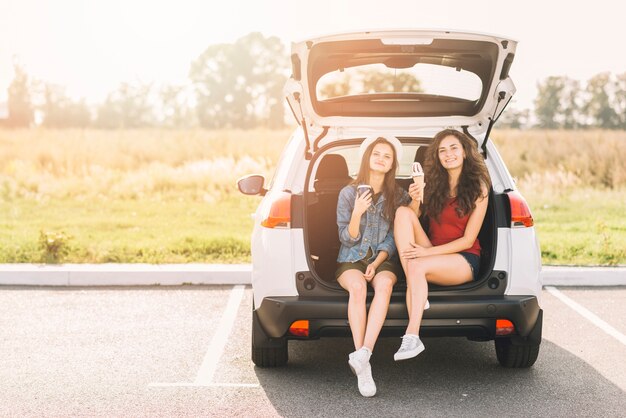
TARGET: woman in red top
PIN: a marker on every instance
(455, 201)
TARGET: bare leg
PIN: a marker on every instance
(443, 270)
(407, 230)
(383, 285)
(417, 292)
(356, 285)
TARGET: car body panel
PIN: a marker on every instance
(282, 266)
(302, 98)
(525, 267)
(276, 314)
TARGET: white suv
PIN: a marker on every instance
(408, 84)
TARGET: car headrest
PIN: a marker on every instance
(420, 154)
(332, 166)
(332, 173)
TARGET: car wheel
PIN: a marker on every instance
(514, 355)
(266, 351)
(520, 352)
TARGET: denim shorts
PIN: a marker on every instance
(474, 261)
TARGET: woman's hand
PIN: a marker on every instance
(416, 192)
(415, 251)
(362, 203)
(370, 271)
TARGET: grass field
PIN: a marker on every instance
(170, 196)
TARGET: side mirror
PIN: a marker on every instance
(252, 185)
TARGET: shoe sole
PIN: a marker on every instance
(366, 395)
(419, 349)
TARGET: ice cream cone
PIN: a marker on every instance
(418, 177)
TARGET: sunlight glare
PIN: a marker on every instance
(159, 21)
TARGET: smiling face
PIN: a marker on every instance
(451, 153)
(382, 157)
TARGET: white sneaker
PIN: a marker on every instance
(411, 347)
(367, 387)
(359, 359)
(427, 305)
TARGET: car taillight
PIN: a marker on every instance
(504, 327)
(520, 212)
(300, 328)
(279, 214)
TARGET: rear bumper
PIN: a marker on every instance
(472, 317)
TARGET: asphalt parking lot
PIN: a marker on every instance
(170, 351)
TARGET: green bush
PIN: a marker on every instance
(54, 246)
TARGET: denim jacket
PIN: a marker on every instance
(375, 231)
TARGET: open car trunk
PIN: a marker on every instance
(321, 231)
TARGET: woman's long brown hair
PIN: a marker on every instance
(390, 190)
(474, 176)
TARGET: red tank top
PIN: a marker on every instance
(451, 227)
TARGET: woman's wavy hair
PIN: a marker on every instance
(474, 175)
(390, 190)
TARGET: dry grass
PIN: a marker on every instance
(85, 164)
(552, 161)
(162, 196)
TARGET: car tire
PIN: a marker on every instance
(266, 351)
(514, 355)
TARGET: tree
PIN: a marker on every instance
(60, 111)
(598, 107)
(571, 109)
(21, 113)
(240, 84)
(127, 107)
(548, 102)
(339, 87)
(557, 104)
(620, 99)
(370, 82)
(514, 118)
(380, 82)
(176, 110)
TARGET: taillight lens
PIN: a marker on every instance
(504, 327)
(300, 328)
(279, 214)
(520, 212)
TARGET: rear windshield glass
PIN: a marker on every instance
(370, 78)
(421, 78)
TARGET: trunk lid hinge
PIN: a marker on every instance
(309, 151)
(492, 121)
(316, 143)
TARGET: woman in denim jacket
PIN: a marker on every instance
(367, 245)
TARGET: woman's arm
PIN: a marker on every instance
(415, 193)
(349, 214)
(370, 271)
(474, 223)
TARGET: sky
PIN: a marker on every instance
(90, 46)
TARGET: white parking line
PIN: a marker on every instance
(216, 348)
(593, 318)
(211, 385)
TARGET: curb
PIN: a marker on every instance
(583, 276)
(229, 274)
(124, 274)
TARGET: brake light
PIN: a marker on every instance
(504, 327)
(300, 328)
(520, 212)
(279, 214)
